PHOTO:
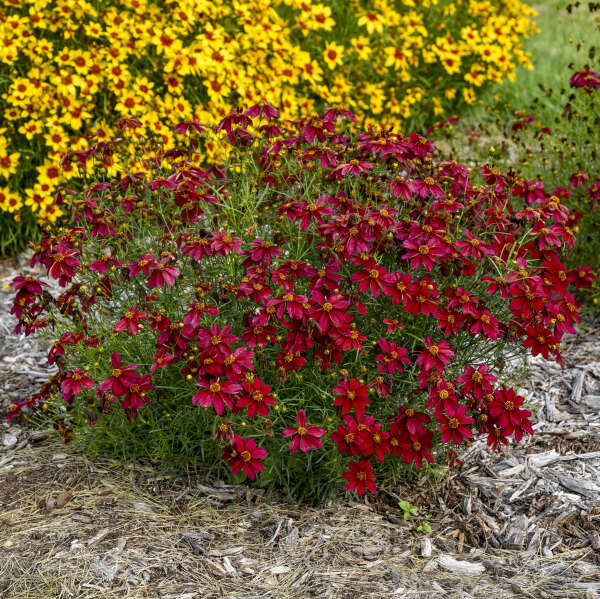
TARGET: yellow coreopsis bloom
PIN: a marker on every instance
(333, 54)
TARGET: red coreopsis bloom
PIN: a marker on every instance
(436, 356)
(306, 436)
(351, 395)
(217, 394)
(217, 340)
(256, 397)
(423, 299)
(244, 454)
(290, 303)
(130, 321)
(143, 264)
(350, 338)
(354, 167)
(136, 394)
(476, 382)
(373, 440)
(486, 324)
(259, 334)
(74, 382)
(416, 448)
(62, 263)
(329, 312)
(121, 378)
(424, 253)
(473, 247)
(454, 424)
(393, 357)
(261, 251)
(347, 437)
(360, 477)
(424, 187)
(223, 244)
(392, 325)
(412, 420)
(163, 274)
(506, 411)
(239, 362)
(28, 284)
(374, 278)
(196, 311)
(540, 339)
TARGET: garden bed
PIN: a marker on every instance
(521, 523)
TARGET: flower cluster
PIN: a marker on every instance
(328, 291)
(70, 69)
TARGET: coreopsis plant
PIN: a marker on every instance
(329, 305)
(71, 69)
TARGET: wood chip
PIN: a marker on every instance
(426, 547)
(460, 567)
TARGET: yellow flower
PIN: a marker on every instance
(9, 163)
(9, 201)
(469, 95)
(362, 47)
(372, 21)
(333, 54)
(49, 173)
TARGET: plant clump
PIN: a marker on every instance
(328, 304)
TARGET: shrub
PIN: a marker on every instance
(71, 69)
(328, 302)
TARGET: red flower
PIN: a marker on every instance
(163, 274)
(392, 325)
(393, 358)
(412, 420)
(374, 278)
(373, 440)
(136, 394)
(197, 310)
(243, 454)
(347, 436)
(435, 356)
(416, 448)
(121, 378)
(330, 311)
(477, 382)
(217, 340)
(540, 339)
(74, 382)
(306, 436)
(217, 394)
(62, 263)
(130, 321)
(352, 395)
(505, 409)
(424, 253)
(222, 243)
(360, 477)
(453, 426)
(256, 397)
(142, 264)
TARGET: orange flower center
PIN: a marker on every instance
(246, 456)
(328, 307)
(453, 423)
